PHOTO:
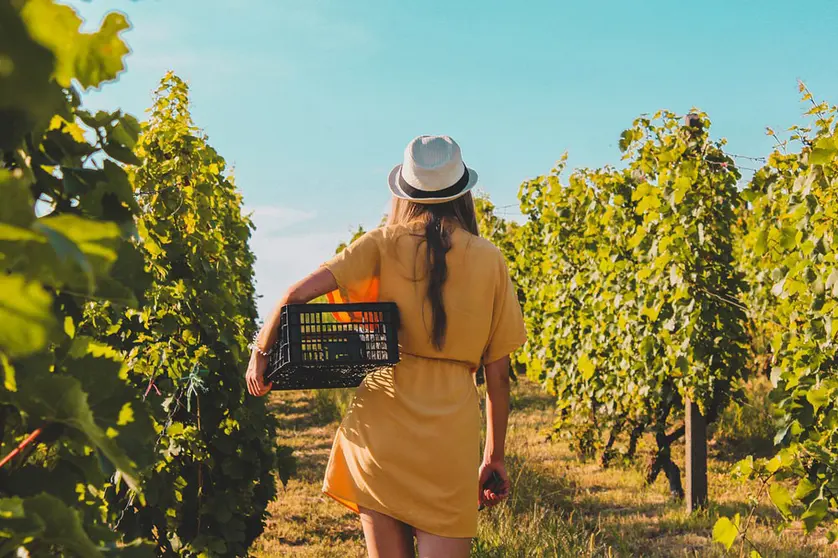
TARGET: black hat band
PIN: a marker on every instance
(444, 193)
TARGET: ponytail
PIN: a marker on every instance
(439, 243)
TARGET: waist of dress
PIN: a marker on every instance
(471, 367)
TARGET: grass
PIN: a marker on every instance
(332, 404)
(748, 426)
(303, 522)
(560, 506)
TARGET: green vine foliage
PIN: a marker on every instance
(790, 258)
(503, 233)
(630, 289)
(66, 223)
(359, 232)
(208, 491)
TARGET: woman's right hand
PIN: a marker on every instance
(495, 495)
(255, 376)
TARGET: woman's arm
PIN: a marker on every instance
(317, 284)
(497, 417)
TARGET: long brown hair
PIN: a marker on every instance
(439, 220)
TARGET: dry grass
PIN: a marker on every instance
(560, 506)
(303, 521)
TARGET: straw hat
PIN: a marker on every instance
(432, 172)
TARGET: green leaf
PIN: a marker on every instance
(118, 184)
(745, 467)
(644, 273)
(651, 201)
(725, 531)
(175, 429)
(58, 398)
(90, 58)
(636, 238)
(804, 488)
(100, 119)
(27, 96)
(586, 366)
(94, 238)
(682, 186)
(126, 132)
(91, 245)
(781, 498)
(17, 206)
(100, 57)
(818, 397)
(761, 244)
(626, 139)
(118, 405)
(823, 152)
(773, 465)
(788, 238)
(16, 526)
(56, 26)
(26, 319)
(11, 508)
(69, 327)
(122, 154)
(62, 526)
(9, 381)
(67, 251)
(813, 516)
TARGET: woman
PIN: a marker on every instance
(406, 457)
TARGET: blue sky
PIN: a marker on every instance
(313, 101)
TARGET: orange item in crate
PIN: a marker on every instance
(368, 292)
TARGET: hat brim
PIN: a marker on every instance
(393, 182)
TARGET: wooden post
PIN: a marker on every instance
(696, 426)
(696, 431)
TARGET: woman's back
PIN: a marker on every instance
(390, 264)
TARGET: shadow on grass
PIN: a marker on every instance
(319, 529)
(732, 452)
(530, 400)
(302, 410)
(746, 426)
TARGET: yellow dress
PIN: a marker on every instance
(409, 446)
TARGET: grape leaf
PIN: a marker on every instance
(725, 531)
(26, 319)
(781, 498)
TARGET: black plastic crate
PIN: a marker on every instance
(316, 350)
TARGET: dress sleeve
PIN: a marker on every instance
(508, 331)
(357, 269)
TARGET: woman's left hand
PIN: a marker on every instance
(256, 375)
(494, 495)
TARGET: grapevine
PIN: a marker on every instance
(73, 427)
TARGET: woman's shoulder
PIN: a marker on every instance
(479, 248)
(476, 246)
(481, 244)
(389, 232)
